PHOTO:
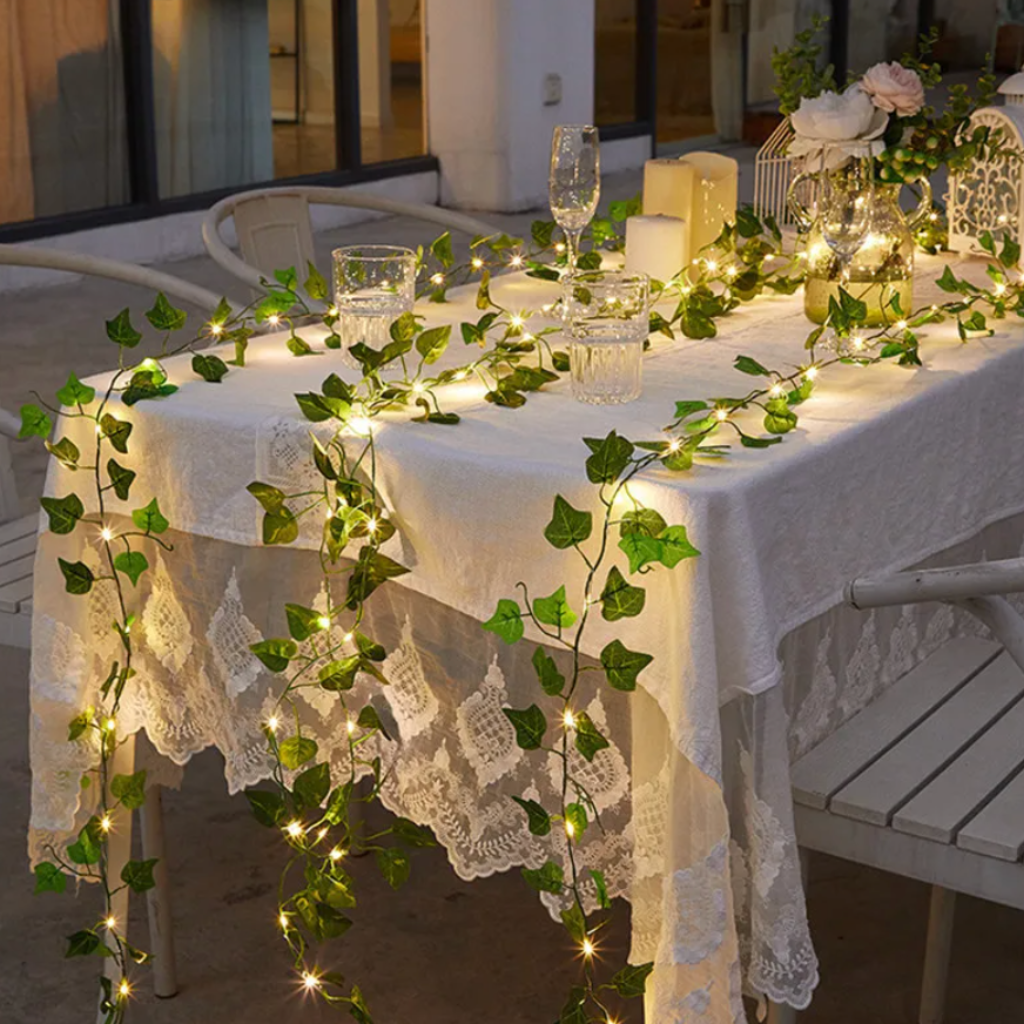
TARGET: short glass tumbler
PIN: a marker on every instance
(373, 286)
(606, 313)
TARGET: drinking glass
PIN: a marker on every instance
(574, 185)
(844, 203)
(606, 313)
(373, 286)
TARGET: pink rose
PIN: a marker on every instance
(894, 88)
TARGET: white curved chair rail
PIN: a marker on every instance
(222, 254)
(9, 425)
(98, 266)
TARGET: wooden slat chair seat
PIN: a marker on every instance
(17, 553)
(928, 780)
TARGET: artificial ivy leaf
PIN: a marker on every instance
(50, 878)
(315, 284)
(483, 292)
(340, 675)
(1010, 256)
(575, 923)
(576, 820)
(394, 866)
(275, 654)
(66, 451)
(133, 564)
(86, 849)
(695, 324)
(370, 571)
(548, 878)
(441, 249)
(357, 1007)
(601, 888)
(138, 874)
(530, 726)
(554, 610)
(642, 520)
(150, 519)
(589, 739)
(83, 943)
(121, 478)
(298, 346)
(675, 546)
(121, 332)
(622, 666)
(276, 302)
(302, 621)
(75, 392)
(631, 981)
(745, 364)
(610, 457)
(619, 599)
(313, 785)
(575, 1009)
(332, 923)
(369, 719)
(280, 527)
(687, 408)
(271, 498)
(370, 648)
(560, 361)
(267, 807)
(287, 278)
(404, 328)
(34, 422)
(78, 577)
(78, 725)
(538, 820)
(640, 549)
(64, 513)
(551, 680)
(507, 621)
(297, 750)
(130, 789)
(568, 525)
(164, 317)
(779, 418)
(116, 432)
(211, 368)
(542, 231)
(413, 835)
(431, 344)
(855, 309)
(766, 442)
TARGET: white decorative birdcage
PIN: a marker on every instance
(989, 194)
(774, 171)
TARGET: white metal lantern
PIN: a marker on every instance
(774, 171)
(989, 195)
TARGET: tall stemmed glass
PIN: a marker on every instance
(845, 202)
(574, 186)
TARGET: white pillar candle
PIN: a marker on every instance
(668, 188)
(656, 245)
(715, 196)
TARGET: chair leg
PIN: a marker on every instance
(158, 902)
(118, 853)
(936, 957)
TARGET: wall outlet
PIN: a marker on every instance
(552, 90)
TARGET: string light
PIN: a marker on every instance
(570, 829)
(437, 279)
(461, 375)
(329, 513)
(273, 723)
(516, 261)
(418, 387)
(294, 829)
(811, 372)
(588, 948)
(732, 272)
(124, 989)
(857, 341)
(273, 319)
(776, 390)
(333, 311)
(371, 525)
(361, 425)
(336, 854)
(559, 247)
(324, 622)
(999, 288)
(320, 835)
(517, 321)
(933, 216)
(110, 725)
(721, 415)
(283, 922)
(712, 266)
(348, 638)
(107, 534)
(105, 823)
(901, 325)
(351, 726)
(310, 981)
(567, 719)
(110, 923)
(477, 263)
(675, 444)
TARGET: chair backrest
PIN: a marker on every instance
(274, 229)
(9, 505)
(98, 266)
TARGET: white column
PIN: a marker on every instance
(375, 63)
(487, 66)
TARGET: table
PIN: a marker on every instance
(889, 467)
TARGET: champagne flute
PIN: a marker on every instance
(574, 185)
(845, 203)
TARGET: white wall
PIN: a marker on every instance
(486, 65)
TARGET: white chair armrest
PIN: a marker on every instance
(9, 425)
(954, 584)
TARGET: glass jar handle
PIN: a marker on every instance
(801, 214)
(916, 217)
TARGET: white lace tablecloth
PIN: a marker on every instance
(889, 467)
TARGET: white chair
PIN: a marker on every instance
(928, 780)
(17, 554)
(275, 231)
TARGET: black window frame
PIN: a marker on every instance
(145, 202)
(646, 70)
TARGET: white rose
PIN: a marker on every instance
(847, 123)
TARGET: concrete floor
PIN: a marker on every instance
(442, 949)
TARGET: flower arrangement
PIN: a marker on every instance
(882, 113)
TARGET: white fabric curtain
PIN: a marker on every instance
(211, 72)
(62, 130)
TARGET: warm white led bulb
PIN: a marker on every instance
(477, 263)
(721, 415)
(351, 726)
(516, 261)
(348, 638)
(569, 829)
(437, 279)
(811, 372)
(124, 988)
(294, 829)
(310, 981)
(273, 723)
(517, 321)
(324, 622)
(110, 923)
(283, 921)
(336, 854)
(568, 719)
(216, 329)
(588, 948)
(107, 534)
(273, 319)
(105, 823)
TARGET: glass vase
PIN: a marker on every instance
(877, 269)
